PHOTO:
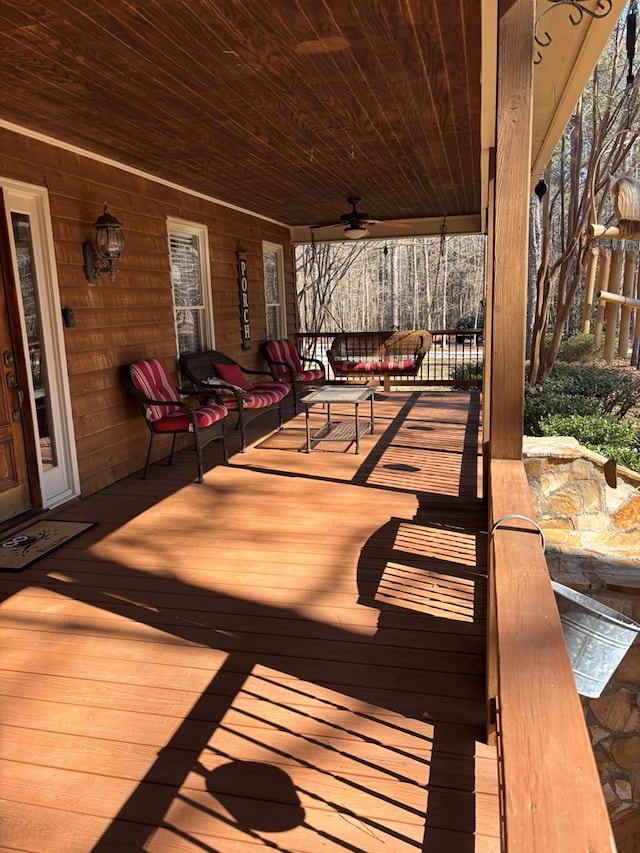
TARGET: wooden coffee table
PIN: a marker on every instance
(338, 430)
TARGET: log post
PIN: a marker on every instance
(589, 289)
(603, 281)
(635, 358)
(628, 283)
(612, 308)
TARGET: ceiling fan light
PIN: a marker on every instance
(355, 233)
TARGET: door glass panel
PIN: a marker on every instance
(33, 324)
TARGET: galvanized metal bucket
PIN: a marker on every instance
(597, 638)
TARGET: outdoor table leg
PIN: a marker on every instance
(306, 419)
(357, 430)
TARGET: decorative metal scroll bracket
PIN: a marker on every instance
(522, 518)
(578, 9)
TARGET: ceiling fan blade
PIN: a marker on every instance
(389, 223)
(325, 227)
(356, 224)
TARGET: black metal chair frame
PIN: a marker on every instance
(220, 427)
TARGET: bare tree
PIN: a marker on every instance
(592, 148)
(319, 271)
(403, 283)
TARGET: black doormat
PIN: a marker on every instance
(23, 548)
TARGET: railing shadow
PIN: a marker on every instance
(428, 574)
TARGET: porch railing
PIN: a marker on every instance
(552, 799)
(455, 359)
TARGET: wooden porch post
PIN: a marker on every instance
(508, 286)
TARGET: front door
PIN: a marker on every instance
(15, 489)
(38, 464)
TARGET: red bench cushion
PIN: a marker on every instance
(374, 365)
(260, 395)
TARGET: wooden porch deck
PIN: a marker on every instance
(290, 656)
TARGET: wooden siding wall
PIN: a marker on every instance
(116, 323)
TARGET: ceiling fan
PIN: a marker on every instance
(356, 224)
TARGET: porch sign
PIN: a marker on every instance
(243, 292)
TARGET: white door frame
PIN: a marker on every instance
(60, 482)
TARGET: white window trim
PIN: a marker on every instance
(282, 311)
(196, 229)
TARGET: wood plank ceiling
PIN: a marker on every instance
(287, 108)
(283, 109)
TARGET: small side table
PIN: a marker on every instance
(336, 431)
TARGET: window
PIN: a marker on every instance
(188, 244)
(273, 263)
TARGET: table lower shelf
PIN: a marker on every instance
(339, 431)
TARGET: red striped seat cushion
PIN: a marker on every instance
(180, 421)
(285, 351)
(309, 375)
(152, 379)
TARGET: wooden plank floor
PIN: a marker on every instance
(289, 657)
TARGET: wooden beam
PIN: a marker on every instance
(509, 285)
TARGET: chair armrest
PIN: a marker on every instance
(184, 392)
(305, 360)
(287, 370)
(147, 401)
(255, 372)
(206, 388)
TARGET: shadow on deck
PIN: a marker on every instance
(289, 656)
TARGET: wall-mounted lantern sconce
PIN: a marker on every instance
(102, 255)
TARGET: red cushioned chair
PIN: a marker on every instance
(164, 410)
(287, 365)
(212, 371)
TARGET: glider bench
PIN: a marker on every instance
(386, 355)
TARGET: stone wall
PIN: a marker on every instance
(589, 512)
